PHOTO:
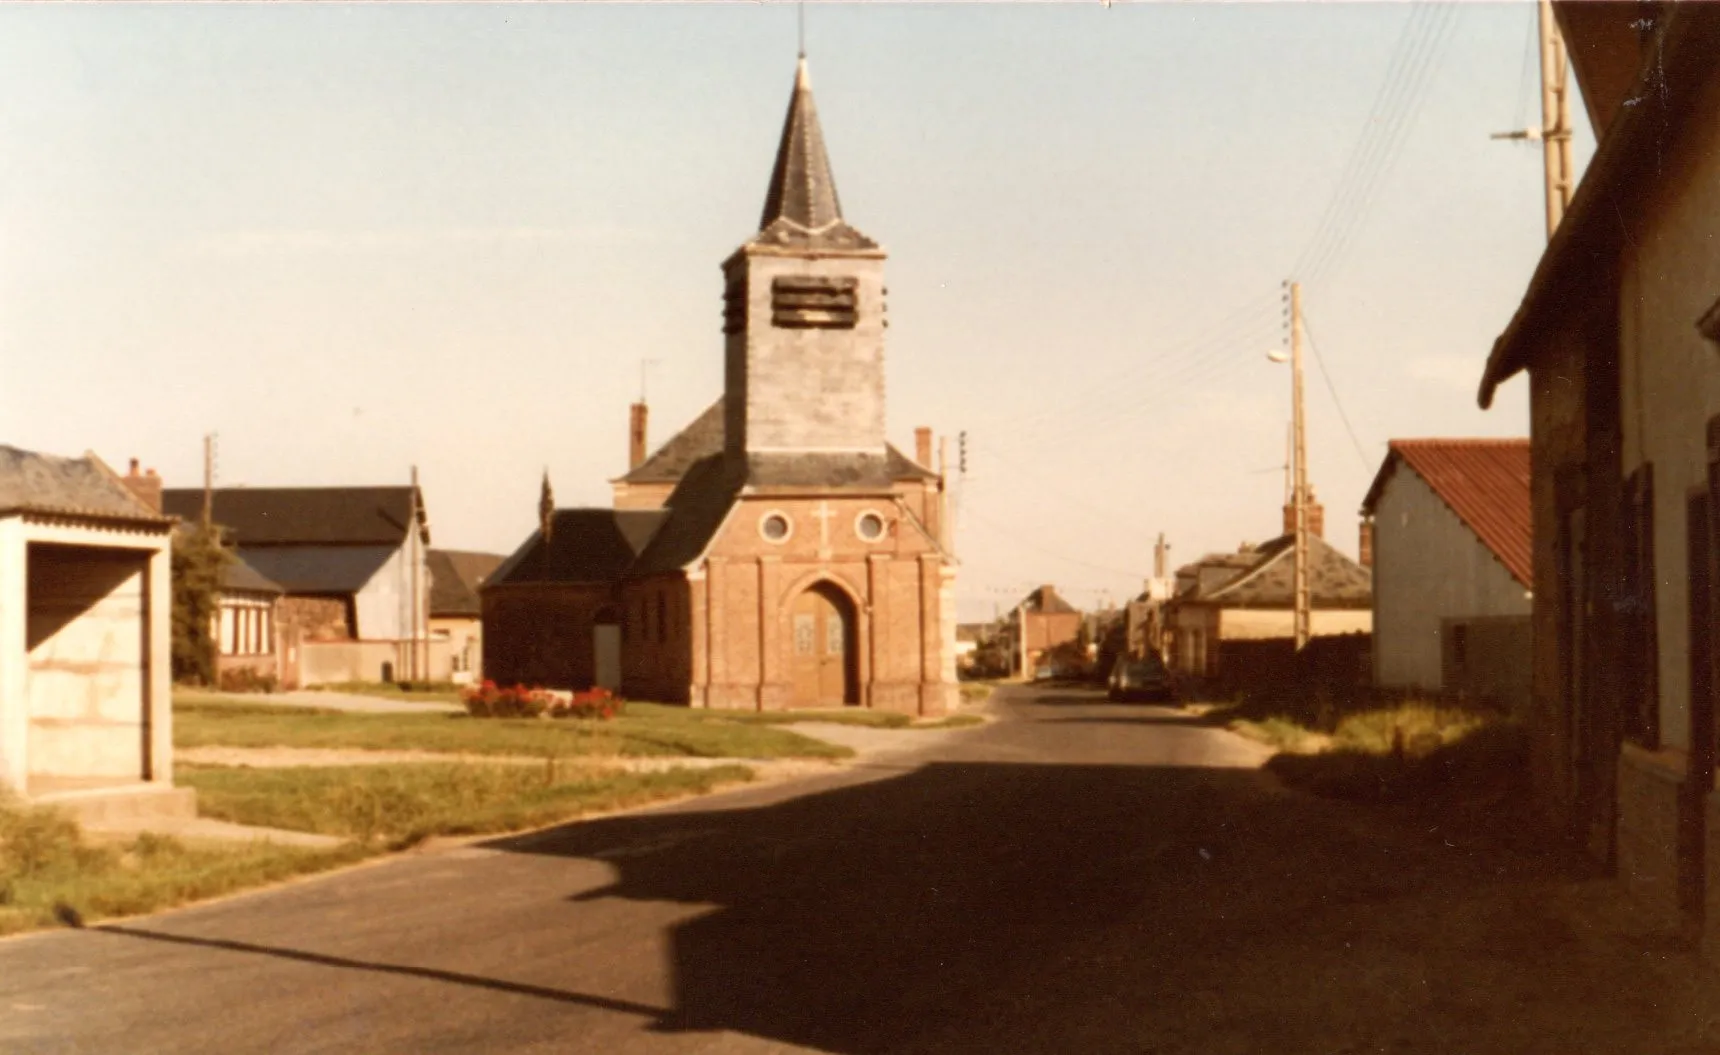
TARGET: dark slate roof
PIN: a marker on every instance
(801, 208)
(1625, 176)
(1485, 482)
(455, 576)
(696, 509)
(240, 577)
(672, 460)
(318, 569)
(1048, 601)
(46, 483)
(584, 546)
(292, 516)
(704, 437)
(1334, 580)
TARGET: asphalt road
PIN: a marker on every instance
(1075, 877)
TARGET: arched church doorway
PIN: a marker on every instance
(822, 642)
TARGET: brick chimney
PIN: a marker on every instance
(146, 486)
(1365, 543)
(923, 446)
(636, 435)
(1316, 516)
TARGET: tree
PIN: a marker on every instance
(199, 562)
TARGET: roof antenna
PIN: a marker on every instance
(802, 10)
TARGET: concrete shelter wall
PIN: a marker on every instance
(87, 636)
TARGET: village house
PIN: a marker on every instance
(778, 552)
(1619, 331)
(1447, 523)
(1227, 599)
(1049, 621)
(350, 563)
(86, 713)
(456, 613)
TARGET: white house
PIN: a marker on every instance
(1453, 569)
(352, 562)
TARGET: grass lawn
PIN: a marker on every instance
(644, 730)
(399, 805)
(48, 871)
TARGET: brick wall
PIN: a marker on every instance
(540, 634)
(316, 618)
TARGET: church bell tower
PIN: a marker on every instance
(803, 315)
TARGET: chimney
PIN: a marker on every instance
(1316, 516)
(923, 446)
(636, 435)
(1365, 543)
(146, 486)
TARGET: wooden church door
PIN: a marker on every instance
(822, 640)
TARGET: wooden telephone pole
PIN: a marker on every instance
(1555, 130)
(1555, 118)
(1303, 615)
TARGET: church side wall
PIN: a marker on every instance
(541, 634)
(657, 638)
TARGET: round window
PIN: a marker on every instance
(774, 527)
(869, 526)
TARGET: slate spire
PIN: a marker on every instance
(802, 190)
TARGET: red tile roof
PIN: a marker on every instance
(1485, 482)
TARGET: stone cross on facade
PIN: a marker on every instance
(824, 514)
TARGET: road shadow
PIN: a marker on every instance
(997, 907)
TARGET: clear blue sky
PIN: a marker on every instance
(351, 239)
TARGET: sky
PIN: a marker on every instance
(353, 240)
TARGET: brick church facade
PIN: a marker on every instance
(777, 552)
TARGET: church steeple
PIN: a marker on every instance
(803, 313)
(802, 190)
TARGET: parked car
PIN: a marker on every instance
(1140, 679)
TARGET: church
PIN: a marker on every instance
(777, 552)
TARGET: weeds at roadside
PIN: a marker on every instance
(49, 870)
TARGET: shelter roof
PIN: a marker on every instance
(1485, 482)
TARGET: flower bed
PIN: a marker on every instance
(489, 700)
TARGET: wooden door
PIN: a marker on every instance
(821, 635)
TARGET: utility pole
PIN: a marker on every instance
(1555, 117)
(417, 557)
(1021, 633)
(1555, 130)
(208, 482)
(1302, 616)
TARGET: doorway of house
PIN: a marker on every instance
(606, 652)
(822, 641)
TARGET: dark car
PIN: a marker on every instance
(1140, 679)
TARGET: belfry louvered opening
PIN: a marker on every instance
(813, 302)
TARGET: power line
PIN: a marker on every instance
(1319, 359)
(1006, 534)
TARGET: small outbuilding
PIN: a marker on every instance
(85, 685)
(1453, 569)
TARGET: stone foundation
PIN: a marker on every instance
(1650, 786)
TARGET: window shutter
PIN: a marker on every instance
(1643, 666)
